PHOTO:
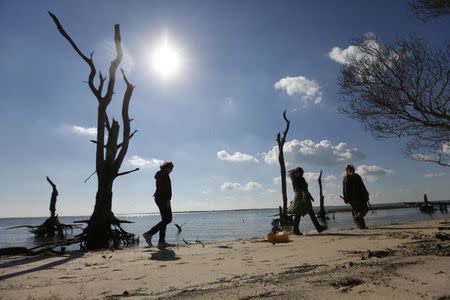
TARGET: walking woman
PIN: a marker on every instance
(163, 195)
(302, 201)
(356, 194)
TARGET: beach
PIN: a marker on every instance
(401, 261)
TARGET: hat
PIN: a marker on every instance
(166, 164)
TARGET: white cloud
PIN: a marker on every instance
(277, 180)
(372, 173)
(90, 131)
(323, 153)
(341, 56)
(430, 175)
(140, 162)
(236, 157)
(233, 186)
(309, 90)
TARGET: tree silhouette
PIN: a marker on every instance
(280, 141)
(426, 10)
(401, 90)
(109, 154)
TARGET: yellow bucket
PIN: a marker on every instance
(279, 237)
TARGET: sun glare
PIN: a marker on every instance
(165, 60)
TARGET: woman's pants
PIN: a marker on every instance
(316, 223)
(166, 216)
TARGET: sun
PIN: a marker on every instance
(165, 60)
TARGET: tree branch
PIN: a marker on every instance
(89, 61)
(126, 123)
(114, 64)
(127, 172)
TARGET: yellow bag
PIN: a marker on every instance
(279, 237)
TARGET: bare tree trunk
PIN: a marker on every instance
(280, 142)
(99, 233)
(52, 207)
(322, 213)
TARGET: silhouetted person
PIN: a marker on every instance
(302, 201)
(163, 195)
(356, 194)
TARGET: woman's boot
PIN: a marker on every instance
(297, 225)
(316, 223)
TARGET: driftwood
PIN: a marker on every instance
(178, 227)
(322, 214)
(51, 225)
(284, 219)
(48, 247)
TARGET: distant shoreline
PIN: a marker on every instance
(328, 209)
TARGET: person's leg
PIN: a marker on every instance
(149, 234)
(316, 223)
(297, 224)
(360, 210)
(166, 214)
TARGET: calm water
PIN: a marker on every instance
(214, 226)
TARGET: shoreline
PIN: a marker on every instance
(328, 209)
(394, 261)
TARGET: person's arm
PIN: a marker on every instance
(344, 189)
(363, 188)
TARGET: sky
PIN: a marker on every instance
(216, 116)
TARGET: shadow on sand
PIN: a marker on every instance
(164, 255)
(63, 259)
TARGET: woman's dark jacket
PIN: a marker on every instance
(163, 187)
(354, 189)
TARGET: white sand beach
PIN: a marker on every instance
(408, 261)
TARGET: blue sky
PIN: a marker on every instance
(242, 64)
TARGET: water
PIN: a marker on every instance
(213, 226)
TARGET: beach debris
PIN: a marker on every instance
(186, 242)
(347, 284)
(224, 247)
(378, 253)
(442, 236)
(179, 227)
(200, 242)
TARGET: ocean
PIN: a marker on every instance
(213, 226)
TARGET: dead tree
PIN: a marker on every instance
(51, 225)
(280, 142)
(322, 214)
(52, 198)
(109, 154)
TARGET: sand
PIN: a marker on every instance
(409, 261)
